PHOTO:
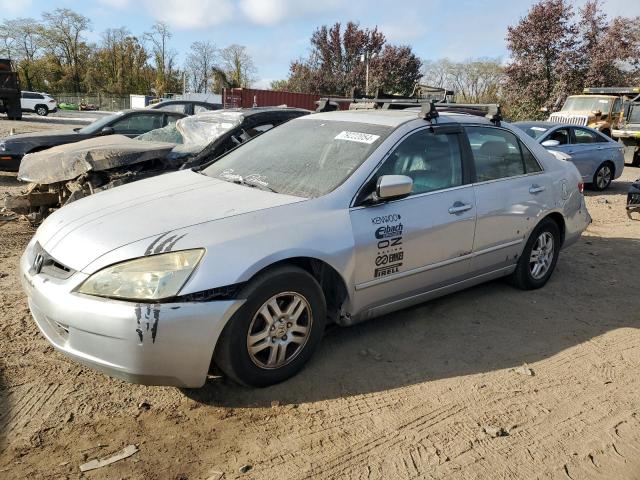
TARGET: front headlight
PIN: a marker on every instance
(148, 278)
(3, 147)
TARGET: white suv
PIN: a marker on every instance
(41, 103)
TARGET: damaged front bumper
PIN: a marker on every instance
(150, 344)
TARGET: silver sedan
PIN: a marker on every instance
(334, 217)
(599, 159)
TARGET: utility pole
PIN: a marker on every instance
(366, 58)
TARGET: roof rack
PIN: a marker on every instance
(429, 108)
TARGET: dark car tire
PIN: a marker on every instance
(603, 177)
(636, 160)
(232, 354)
(42, 110)
(523, 277)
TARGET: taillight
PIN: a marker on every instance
(581, 187)
(52, 101)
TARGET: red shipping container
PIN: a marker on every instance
(251, 97)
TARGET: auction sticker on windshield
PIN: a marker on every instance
(357, 137)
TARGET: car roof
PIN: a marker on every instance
(147, 111)
(173, 102)
(393, 118)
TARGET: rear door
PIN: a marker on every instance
(511, 192)
(415, 244)
(588, 152)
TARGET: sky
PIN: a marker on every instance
(276, 32)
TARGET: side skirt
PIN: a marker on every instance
(425, 296)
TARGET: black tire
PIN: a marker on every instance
(523, 277)
(42, 110)
(636, 160)
(596, 183)
(232, 351)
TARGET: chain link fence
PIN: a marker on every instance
(102, 101)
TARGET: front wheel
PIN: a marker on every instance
(539, 257)
(603, 177)
(275, 332)
(42, 110)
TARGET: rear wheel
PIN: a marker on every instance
(277, 329)
(603, 177)
(539, 257)
(42, 110)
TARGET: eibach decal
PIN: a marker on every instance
(390, 254)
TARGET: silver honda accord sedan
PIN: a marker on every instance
(334, 217)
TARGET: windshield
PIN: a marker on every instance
(534, 131)
(305, 158)
(99, 124)
(634, 114)
(587, 104)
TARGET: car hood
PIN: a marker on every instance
(27, 141)
(69, 161)
(83, 231)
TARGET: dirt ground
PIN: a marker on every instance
(409, 395)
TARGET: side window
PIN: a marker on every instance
(617, 106)
(531, 165)
(496, 153)
(432, 160)
(137, 124)
(561, 135)
(171, 119)
(38, 96)
(584, 136)
(200, 108)
(174, 107)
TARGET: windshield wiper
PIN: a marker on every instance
(239, 180)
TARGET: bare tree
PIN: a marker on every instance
(200, 63)
(237, 65)
(62, 34)
(163, 55)
(476, 80)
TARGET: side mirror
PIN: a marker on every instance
(107, 131)
(390, 187)
(550, 143)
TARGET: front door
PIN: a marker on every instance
(418, 243)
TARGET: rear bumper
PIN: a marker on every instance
(151, 344)
(10, 162)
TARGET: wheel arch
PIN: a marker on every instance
(330, 280)
(559, 220)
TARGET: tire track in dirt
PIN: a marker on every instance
(31, 406)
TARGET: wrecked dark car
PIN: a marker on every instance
(129, 123)
(66, 173)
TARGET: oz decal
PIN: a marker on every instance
(390, 255)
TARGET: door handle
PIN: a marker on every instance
(536, 189)
(459, 207)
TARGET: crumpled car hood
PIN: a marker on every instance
(66, 162)
(82, 231)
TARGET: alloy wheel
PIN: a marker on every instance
(279, 330)
(603, 177)
(541, 255)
